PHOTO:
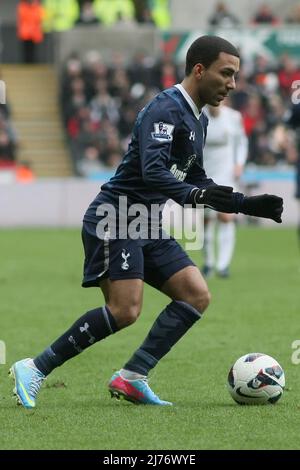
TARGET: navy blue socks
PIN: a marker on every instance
(172, 323)
(93, 326)
(169, 327)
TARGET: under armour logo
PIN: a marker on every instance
(85, 329)
(192, 136)
(125, 264)
(76, 346)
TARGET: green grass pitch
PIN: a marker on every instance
(256, 310)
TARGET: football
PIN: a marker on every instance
(256, 379)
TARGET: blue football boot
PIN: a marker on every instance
(28, 380)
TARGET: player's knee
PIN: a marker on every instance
(201, 300)
(131, 315)
(206, 300)
(126, 315)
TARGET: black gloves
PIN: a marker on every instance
(220, 198)
(265, 205)
(223, 199)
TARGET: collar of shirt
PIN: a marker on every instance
(189, 100)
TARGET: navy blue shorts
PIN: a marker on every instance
(153, 261)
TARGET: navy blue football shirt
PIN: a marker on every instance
(165, 156)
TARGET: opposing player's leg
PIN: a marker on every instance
(226, 243)
(209, 242)
(182, 281)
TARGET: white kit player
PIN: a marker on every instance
(224, 157)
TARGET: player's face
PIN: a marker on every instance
(216, 81)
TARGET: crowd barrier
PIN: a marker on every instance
(62, 202)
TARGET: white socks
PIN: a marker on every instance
(226, 242)
(130, 375)
(209, 242)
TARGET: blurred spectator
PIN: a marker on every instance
(24, 173)
(127, 118)
(253, 114)
(76, 98)
(60, 15)
(289, 72)
(87, 15)
(160, 13)
(255, 126)
(4, 108)
(118, 79)
(110, 12)
(89, 164)
(29, 28)
(139, 7)
(293, 121)
(8, 144)
(239, 97)
(294, 16)
(168, 76)
(223, 17)
(264, 76)
(282, 143)
(7, 149)
(276, 110)
(103, 105)
(112, 146)
(141, 69)
(165, 73)
(93, 69)
(264, 15)
(76, 122)
(143, 12)
(7, 127)
(114, 159)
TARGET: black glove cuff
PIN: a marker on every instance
(197, 196)
(245, 207)
(239, 200)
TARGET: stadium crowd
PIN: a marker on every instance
(61, 15)
(65, 14)
(100, 102)
(8, 138)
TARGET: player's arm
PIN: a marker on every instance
(155, 152)
(223, 199)
(155, 145)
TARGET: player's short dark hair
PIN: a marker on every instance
(205, 50)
